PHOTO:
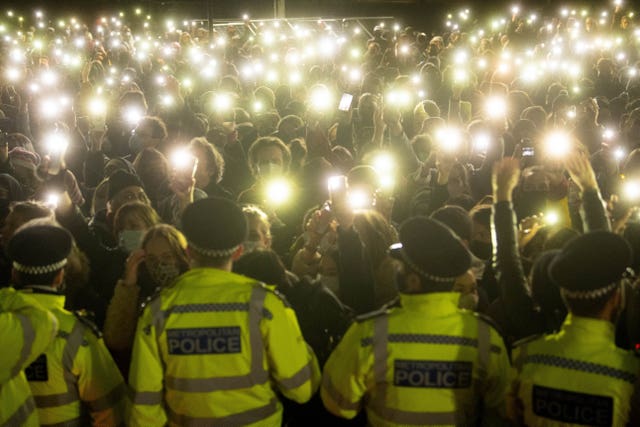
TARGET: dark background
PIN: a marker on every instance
(420, 13)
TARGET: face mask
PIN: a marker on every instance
(482, 250)
(135, 143)
(252, 245)
(129, 240)
(468, 302)
(331, 283)
(269, 169)
(163, 273)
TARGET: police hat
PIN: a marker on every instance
(40, 249)
(591, 265)
(121, 180)
(214, 227)
(432, 250)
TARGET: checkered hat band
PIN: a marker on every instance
(594, 294)
(39, 269)
(431, 277)
(214, 253)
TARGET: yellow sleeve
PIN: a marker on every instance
(498, 379)
(146, 376)
(292, 364)
(100, 384)
(26, 328)
(344, 381)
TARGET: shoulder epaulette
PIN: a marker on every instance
(385, 309)
(147, 301)
(274, 291)
(526, 340)
(488, 320)
(84, 317)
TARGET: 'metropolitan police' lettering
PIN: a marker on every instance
(38, 371)
(432, 374)
(185, 342)
(574, 408)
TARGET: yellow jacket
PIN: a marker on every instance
(575, 377)
(76, 374)
(212, 349)
(26, 329)
(425, 363)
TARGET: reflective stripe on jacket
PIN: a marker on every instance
(425, 363)
(212, 349)
(26, 329)
(76, 374)
(575, 377)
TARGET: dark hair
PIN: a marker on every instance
(457, 219)
(588, 307)
(263, 265)
(214, 158)
(158, 127)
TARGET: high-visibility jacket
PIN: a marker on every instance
(424, 363)
(212, 349)
(575, 377)
(76, 375)
(26, 329)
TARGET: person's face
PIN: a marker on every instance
(157, 250)
(134, 223)
(204, 171)
(480, 233)
(259, 231)
(269, 157)
(466, 284)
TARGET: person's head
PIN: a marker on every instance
(21, 213)
(467, 286)
(165, 253)
(457, 219)
(290, 127)
(35, 263)
(269, 156)
(150, 132)
(262, 264)
(377, 235)
(131, 221)
(589, 270)
(480, 244)
(432, 257)
(210, 162)
(124, 188)
(259, 234)
(152, 167)
(215, 229)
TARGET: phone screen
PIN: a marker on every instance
(528, 152)
(345, 102)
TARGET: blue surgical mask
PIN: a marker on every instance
(130, 240)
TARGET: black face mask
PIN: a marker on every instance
(482, 250)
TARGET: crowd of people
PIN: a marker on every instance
(291, 222)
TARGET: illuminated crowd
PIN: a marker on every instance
(348, 148)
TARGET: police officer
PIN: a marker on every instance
(26, 329)
(579, 376)
(213, 348)
(75, 375)
(427, 362)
